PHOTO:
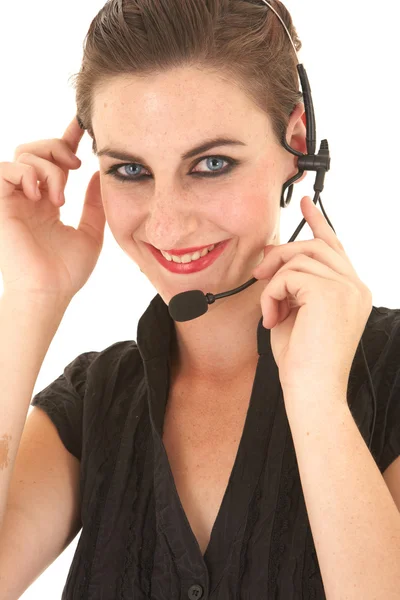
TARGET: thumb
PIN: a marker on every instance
(93, 218)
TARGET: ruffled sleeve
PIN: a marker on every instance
(63, 401)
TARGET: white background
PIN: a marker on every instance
(351, 57)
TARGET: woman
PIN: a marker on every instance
(208, 450)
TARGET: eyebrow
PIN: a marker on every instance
(203, 147)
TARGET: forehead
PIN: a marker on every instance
(187, 103)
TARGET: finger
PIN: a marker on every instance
(20, 177)
(73, 135)
(292, 289)
(319, 225)
(93, 217)
(285, 308)
(277, 312)
(55, 151)
(48, 174)
(305, 264)
(302, 264)
(318, 249)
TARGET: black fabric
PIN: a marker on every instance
(136, 542)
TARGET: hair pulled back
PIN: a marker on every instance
(242, 40)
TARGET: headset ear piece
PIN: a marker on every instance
(302, 177)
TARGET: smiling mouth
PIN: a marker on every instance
(193, 266)
(189, 256)
(192, 250)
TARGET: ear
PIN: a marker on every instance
(296, 136)
(296, 132)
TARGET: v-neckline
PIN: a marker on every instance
(183, 418)
(230, 522)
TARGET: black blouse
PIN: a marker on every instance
(136, 541)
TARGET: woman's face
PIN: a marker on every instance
(172, 202)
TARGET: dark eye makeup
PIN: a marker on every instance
(132, 178)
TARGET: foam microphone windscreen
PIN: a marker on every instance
(188, 305)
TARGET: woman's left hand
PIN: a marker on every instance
(315, 305)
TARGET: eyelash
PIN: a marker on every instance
(231, 164)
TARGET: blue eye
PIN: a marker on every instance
(134, 177)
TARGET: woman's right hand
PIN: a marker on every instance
(39, 255)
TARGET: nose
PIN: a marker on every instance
(171, 222)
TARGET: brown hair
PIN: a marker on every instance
(242, 40)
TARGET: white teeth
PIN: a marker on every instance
(187, 258)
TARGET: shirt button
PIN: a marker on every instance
(195, 592)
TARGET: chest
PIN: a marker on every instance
(202, 433)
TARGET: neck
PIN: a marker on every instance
(221, 345)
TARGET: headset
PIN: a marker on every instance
(320, 164)
(194, 303)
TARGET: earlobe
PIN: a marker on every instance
(295, 173)
(302, 177)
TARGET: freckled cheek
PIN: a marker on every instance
(122, 213)
(237, 215)
(246, 213)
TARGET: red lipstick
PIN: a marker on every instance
(187, 250)
(193, 267)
